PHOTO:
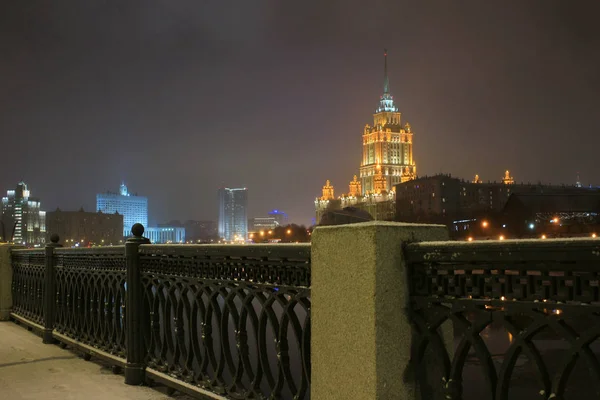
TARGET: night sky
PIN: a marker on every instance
(178, 98)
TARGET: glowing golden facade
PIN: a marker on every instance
(387, 160)
(327, 191)
(387, 157)
(355, 187)
(508, 180)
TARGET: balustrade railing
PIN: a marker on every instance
(496, 320)
(28, 285)
(234, 320)
(525, 317)
(231, 321)
(90, 297)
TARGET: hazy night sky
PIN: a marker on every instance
(178, 98)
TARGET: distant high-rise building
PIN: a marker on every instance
(133, 208)
(387, 146)
(387, 160)
(21, 213)
(233, 214)
(85, 228)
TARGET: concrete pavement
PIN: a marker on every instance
(32, 370)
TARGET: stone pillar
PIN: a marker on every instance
(361, 335)
(5, 282)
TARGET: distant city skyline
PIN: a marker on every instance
(178, 101)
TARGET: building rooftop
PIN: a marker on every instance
(548, 202)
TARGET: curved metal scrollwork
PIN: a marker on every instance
(29, 272)
(232, 320)
(90, 302)
(523, 319)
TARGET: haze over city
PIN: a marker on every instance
(179, 99)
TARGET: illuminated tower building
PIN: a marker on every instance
(387, 157)
(233, 214)
(133, 208)
(21, 214)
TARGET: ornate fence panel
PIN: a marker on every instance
(28, 284)
(525, 316)
(234, 320)
(90, 285)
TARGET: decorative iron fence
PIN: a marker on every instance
(234, 320)
(90, 297)
(28, 285)
(206, 320)
(525, 317)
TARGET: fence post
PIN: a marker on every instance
(50, 290)
(135, 367)
(6, 300)
(361, 333)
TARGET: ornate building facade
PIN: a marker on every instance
(387, 159)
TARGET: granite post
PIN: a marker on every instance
(5, 282)
(361, 334)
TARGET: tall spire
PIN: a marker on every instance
(386, 82)
(386, 102)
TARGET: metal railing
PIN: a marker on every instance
(523, 317)
(210, 321)
(90, 297)
(28, 285)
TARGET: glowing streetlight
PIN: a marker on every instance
(501, 237)
(593, 235)
(470, 239)
(262, 233)
(543, 236)
(270, 232)
(289, 232)
(484, 224)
